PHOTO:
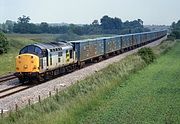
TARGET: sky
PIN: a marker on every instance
(158, 12)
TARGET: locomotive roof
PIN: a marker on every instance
(52, 45)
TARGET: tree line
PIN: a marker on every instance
(175, 30)
(107, 25)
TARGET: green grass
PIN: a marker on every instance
(7, 61)
(18, 41)
(149, 96)
(120, 93)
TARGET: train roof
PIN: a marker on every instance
(61, 44)
(116, 36)
(85, 40)
(52, 45)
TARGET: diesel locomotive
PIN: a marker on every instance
(43, 61)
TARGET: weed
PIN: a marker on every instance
(147, 55)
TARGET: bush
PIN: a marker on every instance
(171, 37)
(147, 55)
(176, 33)
(3, 44)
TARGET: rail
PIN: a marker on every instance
(7, 77)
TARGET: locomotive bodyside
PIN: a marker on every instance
(36, 61)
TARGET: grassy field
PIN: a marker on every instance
(120, 93)
(7, 61)
(18, 41)
(149, 96)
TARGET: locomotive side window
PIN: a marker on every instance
(71, 53)
(67, 55)
(59, 56)
(50, 59)
(38, 51)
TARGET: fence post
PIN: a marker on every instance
(29, 102)
(39, 98)
(1, 113)
(16, 107)
(54, 88)
(10, 111)
(56, 91)
(50, 93)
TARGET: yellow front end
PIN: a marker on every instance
(27, 63)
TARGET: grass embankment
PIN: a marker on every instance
(116, 95)
(7, 61)
(18, 41)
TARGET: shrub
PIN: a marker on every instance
(147, 55)
(3, 44)
(171, 37)
(175, 34)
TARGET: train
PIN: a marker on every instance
(44, 61)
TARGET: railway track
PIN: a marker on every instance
(7, 78)
(13, 90)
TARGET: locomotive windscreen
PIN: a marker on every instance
(31, 49)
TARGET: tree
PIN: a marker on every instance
(3, 44)
(23, 26)
(140, 21)
(175, 27)
(95, 22)
(117, 23)
(44, 27)
(10, 25)
(106, 22)
(4, 28)
(24, 19)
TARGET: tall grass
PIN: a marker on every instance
(80, 102)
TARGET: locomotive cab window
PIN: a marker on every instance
(24, 50)
(30, 49)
